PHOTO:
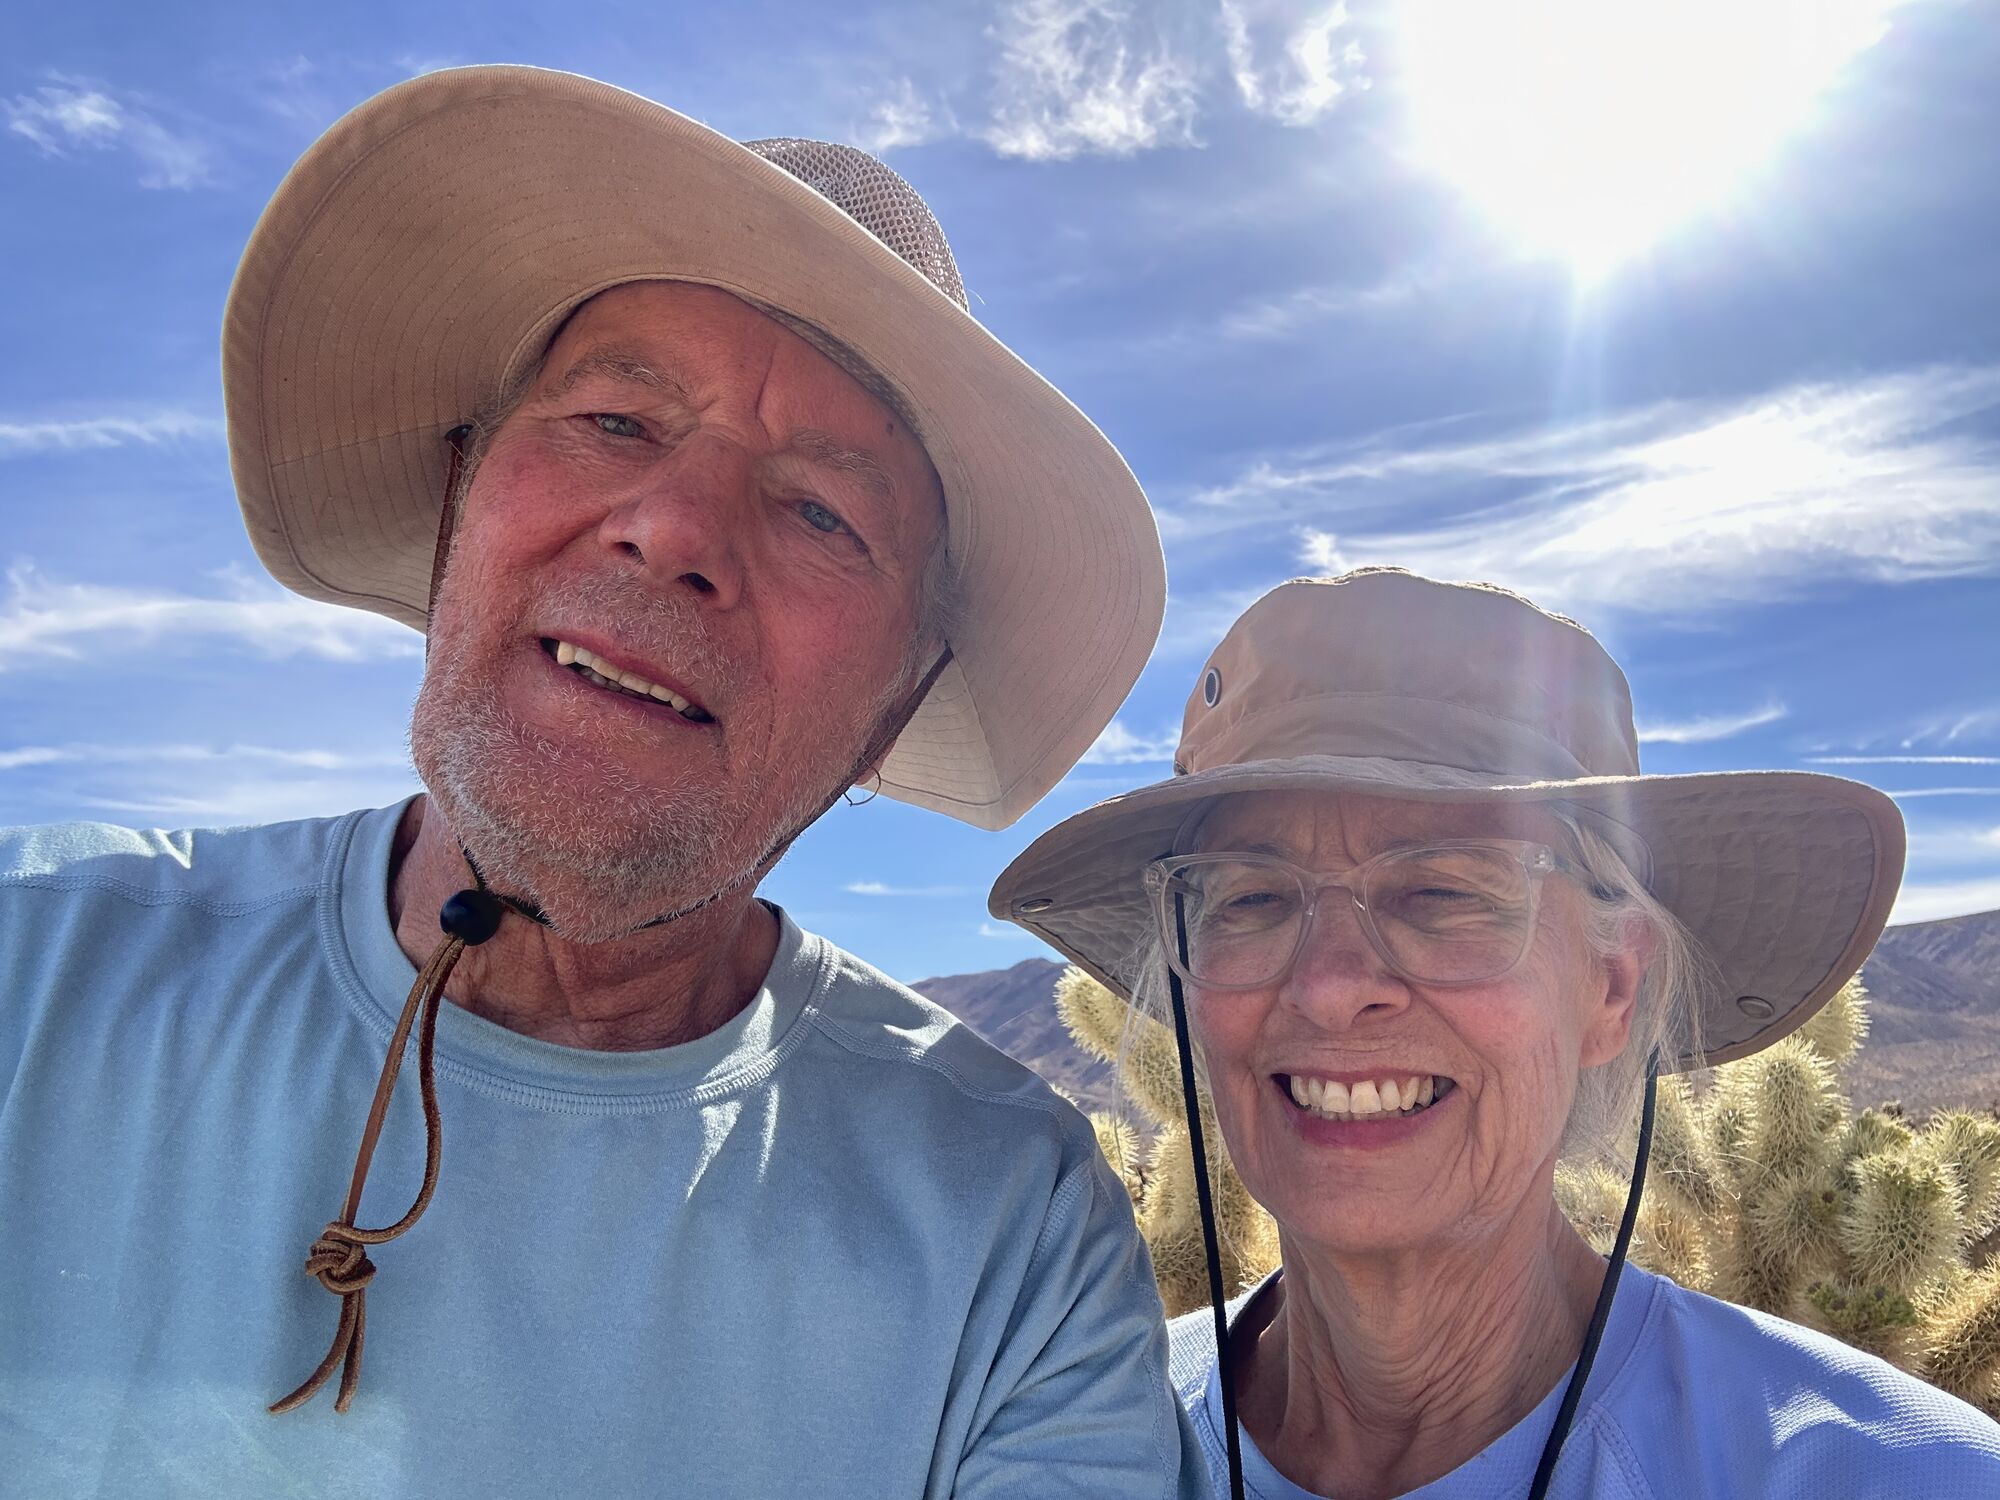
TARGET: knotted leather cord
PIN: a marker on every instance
(339, 1256)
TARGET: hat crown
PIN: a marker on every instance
(876, 197)
(1383, 663)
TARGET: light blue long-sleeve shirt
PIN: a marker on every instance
(1689, 1399)
(839, 1247)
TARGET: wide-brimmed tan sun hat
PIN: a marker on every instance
(428, 246)
(1381, 683)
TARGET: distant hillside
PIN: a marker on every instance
(1935, 1043)
(1936, 1036)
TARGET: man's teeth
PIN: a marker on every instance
(1368, 1100)
(595, 669)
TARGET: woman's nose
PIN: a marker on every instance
(685, 524)
(1339, 978)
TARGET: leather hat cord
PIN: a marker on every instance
(339, 1257)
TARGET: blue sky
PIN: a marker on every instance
(1692, 334)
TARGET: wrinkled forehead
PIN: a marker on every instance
(1310, 826)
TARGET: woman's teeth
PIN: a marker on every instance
(1372, 1099)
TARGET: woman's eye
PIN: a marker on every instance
(820, 518)
(617, 425)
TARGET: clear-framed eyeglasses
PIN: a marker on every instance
(1451, 913)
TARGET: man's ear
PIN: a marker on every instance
(1609, 1026)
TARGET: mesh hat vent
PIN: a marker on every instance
(875, 197)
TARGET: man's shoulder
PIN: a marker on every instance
(871, 1016)
(225, 870)
(1824, 1406)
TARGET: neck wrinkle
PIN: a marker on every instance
(1378, 1374)
(656, 987)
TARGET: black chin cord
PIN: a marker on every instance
(1205, 1200)
(1601, 1314)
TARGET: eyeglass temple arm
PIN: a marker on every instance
(1205, 1201)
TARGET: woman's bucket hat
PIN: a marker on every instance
(1382, 683)
(428, 246)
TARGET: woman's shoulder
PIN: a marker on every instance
(1800, 1401)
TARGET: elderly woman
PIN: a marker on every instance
(1432, 927)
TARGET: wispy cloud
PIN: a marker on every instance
(188, 754)
(1944, 791)
(1936, 900)
(1289, 67)
(201, 785)
(1903, 760)
(903, 117)
(1005, 930)
(1674, 508)
(1078, 76)
(1709, 727)
(42, 618)
(68, 115)
(1122, 746)
(106, 432)
(883, 888)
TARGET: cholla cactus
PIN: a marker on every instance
(1161, 1180)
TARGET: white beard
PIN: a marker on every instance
(597, 851)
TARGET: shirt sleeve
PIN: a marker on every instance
(1078, 1403)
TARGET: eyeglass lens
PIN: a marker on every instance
(1447, 916)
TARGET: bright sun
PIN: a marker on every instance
(1586, 128)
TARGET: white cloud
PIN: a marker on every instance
(1709, 727)
(1120, 746)
(212, 785)
(105, 432)
(70, 114)
(1005, 930)
(1945, 791)
(1903, 760)
(1299, 74)
(882, 888)
(1674, 508)
(41, 618)
(185, 754)
(1934, 901)
(902, 117)
(1076, 76)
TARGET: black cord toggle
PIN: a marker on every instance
(471, 916)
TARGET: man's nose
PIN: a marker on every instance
(686, 523)
(1339, 978)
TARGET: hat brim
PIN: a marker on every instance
(432, 241)
(1785, 878)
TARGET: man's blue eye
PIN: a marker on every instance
(616, 425)
(820, 518)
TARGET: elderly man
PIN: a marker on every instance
(713, 501)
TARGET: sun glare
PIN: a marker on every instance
(1587, 128)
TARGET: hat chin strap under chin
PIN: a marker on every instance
(1600, 1314)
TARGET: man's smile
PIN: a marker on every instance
(601, 672)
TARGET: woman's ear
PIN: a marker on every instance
(1623, 970)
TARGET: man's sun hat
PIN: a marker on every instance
(428, 246)
(1382, 683)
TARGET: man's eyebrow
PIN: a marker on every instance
(616, 364)
(822, 449)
